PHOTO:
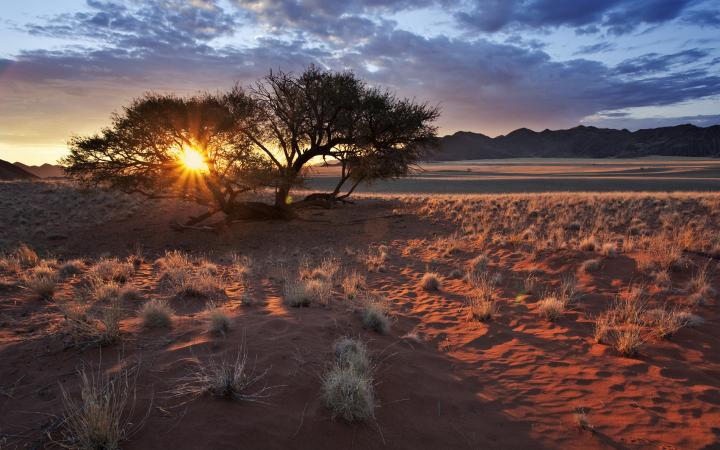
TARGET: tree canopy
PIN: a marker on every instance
(211, 148)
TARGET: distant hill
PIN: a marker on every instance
(582, 142)
(44, 171)
(10, 171)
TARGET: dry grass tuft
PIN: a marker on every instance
(156, 314)
(482, 303)
(72, 267)
(42, 281)
(219, 322)
(232, 378)
(603, 325)
(551, 307)
(591, 265)
(101, 418)
(629, 339)
(112, 270)
(353, 284)
(374, 315)
(431, 281)
(348, 386)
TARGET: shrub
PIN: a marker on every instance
(156, 314)
(431, 281)
(609, 249)
(375, 259)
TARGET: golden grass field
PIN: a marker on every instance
(504, 321)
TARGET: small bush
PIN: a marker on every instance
(431, 281)
(25, 256)
(609, 249)
(156, 314)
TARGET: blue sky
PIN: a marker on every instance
(492, 65)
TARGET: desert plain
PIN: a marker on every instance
(499, 305)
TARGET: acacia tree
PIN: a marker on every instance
(295, 120)
(249, 139)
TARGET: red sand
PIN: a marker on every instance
(512, 383)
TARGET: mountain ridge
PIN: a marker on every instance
(582, 141)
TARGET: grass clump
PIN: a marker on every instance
(374, 315)
(431, 281)
(42, 281)
(219, 323)
(101, 417)
(229, 378)
(156, 314)
(353, 284)
(72, 267)
(112, 270)
(551, 307)
(347, 387)
(629, 340)
(482, 303)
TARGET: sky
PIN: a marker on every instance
(491, 65)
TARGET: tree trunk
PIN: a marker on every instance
(282, 195)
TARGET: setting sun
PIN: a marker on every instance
(193, 160)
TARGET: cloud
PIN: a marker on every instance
(125, 49)
(600, 47)
(587, 16)
(653, 62)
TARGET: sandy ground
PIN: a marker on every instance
(442, 380)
